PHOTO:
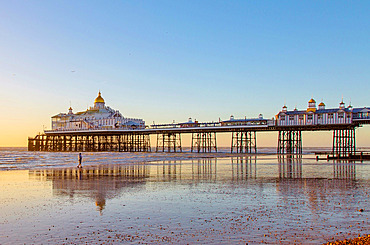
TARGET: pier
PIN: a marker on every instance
(131, 135)
(244, 139)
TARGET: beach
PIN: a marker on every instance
(183, 198)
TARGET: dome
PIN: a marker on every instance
(312, 101)
(99, 99)
(322, 104)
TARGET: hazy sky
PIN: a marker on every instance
(170, 60)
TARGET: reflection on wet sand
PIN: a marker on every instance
(344, 169)
(290, 166)
(238, 200)
(99, 184)
(244, 168)
(193, 170)
(318, 191)
(108, 181)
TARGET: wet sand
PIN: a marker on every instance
(224, 200)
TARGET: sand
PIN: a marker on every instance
(254, 200)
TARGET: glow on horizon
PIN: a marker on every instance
(170, 60)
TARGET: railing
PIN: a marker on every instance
(361, 117)
(91, 129)
(265, 122)
(186, 125)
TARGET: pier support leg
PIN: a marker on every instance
(344, 142)
(203, 142)
(143, 142)
(244, 142)
(169, 142)
(87, 143)
(290, 142)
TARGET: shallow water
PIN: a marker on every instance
(216, 199)
(20, 158)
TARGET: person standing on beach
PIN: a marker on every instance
(79, 161)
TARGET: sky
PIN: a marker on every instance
(171, 60)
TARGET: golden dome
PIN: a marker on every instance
(312, 101)
(99, 99)
(322, 104)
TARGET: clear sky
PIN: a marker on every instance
(170, 60)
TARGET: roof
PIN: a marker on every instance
(99, 99)
(356, 110)
(332, 110)
(90, 111)
(131, 123)
(59, 115)
(246, 120)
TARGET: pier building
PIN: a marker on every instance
(98, 116)
(321, 115)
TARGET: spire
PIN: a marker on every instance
(285, 109)
(341, 104)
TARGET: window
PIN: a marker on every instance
(309, 117)
(291, 117)
(319, 116)
(340, 115)
(301, 117)
(330, 116)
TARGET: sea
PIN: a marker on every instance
(181, 198)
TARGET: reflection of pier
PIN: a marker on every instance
(344, 169)
(99, 183)
(168, 171)
(205, 169)
(290, 166)
(102, 183)
(199, 169)
(244, 167)
(128, 172)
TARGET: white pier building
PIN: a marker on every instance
(97, 117)
(321, 115)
